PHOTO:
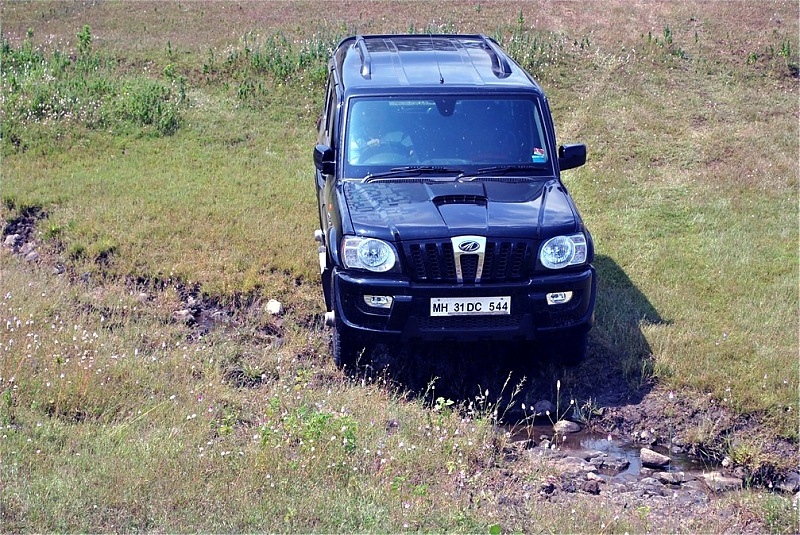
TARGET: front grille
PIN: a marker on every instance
(504, 261)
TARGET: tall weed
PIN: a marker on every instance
(42, 90)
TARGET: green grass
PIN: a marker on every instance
(114, 419)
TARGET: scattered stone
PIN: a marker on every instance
(647, 437)
(541, 408)
(183, 316)
(646, 471)
(595, 477)
(726, 462)
(791, 484)
(576, 464)
(652, 458)
(143, 297)
(392, 426)
(58, 269)
(597, 462)
(547, 488)
(274, 307)
(591, 486)
(563, 427)
(616, 464)
(594, 454)
(27, 248)
(32, 256)
(720, 483)
(672, 478)
(11, 241)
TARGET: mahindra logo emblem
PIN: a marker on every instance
(469, 246)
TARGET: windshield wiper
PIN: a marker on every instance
(411, 170)
(500, 170)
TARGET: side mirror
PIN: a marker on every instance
(325, 159)
(571, 156)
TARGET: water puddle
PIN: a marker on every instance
(622, 457)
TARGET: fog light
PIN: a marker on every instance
(559, 298)
(378, 301)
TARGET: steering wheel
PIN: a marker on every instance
(386, 152)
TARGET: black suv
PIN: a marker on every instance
(442, 211)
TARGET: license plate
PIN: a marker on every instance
(470, 306)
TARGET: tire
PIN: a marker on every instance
(568, 350)
(345, 350)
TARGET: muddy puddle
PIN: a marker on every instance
(623, 456)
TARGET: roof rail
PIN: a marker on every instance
(500, 66)
(366, 58)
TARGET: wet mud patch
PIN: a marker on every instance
(19, 232)
(24, 224)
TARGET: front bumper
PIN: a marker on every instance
(409, 318)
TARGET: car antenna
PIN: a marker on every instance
(433, 47)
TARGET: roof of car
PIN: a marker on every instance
(368, 63)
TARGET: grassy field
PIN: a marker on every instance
(165, 148)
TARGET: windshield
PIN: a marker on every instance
(453, 132)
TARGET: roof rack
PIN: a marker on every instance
(500, 66)
(366, 58)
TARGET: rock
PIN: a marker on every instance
(720, 483)
(591, 486)
(183, 316)
(726, 462)
(673, 478)
(616, 464)
(563, 427)
(576, 464)
(650, 481)
(597, 462)
(392, 426)
(647, 437)
(27, 248)
(274, 307)
(594, 454)
(11, 240)
(595, 477)
(143, 297)
(653, 459)
(32, 256)
(791, 484)
(541, 408)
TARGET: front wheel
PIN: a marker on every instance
(345, 349)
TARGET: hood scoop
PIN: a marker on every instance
(441, 200)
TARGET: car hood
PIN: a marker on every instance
(412, 209)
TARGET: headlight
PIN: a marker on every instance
(368, 253)
(563, 251)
